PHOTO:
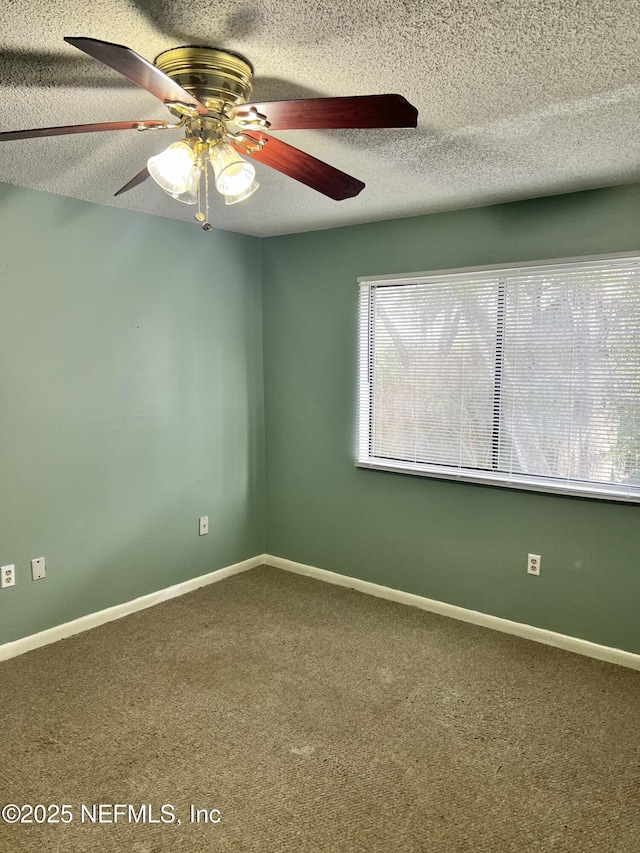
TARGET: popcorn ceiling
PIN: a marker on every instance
(516, 99)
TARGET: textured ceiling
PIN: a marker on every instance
(516, 98)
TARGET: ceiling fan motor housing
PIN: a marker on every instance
(217, 78)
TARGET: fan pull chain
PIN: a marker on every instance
(200, 215)
(207, 226)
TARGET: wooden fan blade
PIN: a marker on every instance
(8, 135)
(139, 178)
(319, 113)
(141, 72)
(303, 167)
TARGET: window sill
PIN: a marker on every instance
(487, 478)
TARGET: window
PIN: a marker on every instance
(527, 376)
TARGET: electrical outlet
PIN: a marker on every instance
(38, 569)
(533, 564)
(7, 576)
(204, 525)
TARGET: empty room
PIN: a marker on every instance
(320, 427)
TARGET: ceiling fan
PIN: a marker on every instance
(207, 89)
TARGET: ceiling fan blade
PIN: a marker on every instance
(139, 178)
(325, 113)
(8, 135)
(303, 167)
(141, 72)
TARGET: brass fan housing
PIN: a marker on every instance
(217, 78)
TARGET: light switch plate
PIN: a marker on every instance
(38, 569)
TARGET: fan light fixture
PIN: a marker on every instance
(234, 176)
(178, 171)
(171, 169)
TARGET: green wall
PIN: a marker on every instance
(131, 403)
(459, 543)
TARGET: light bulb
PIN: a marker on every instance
(234, 175)
(172, 169)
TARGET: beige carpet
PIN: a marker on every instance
(315, 718)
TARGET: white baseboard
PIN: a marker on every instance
(92, 620)
(529, 632)
(519, 629)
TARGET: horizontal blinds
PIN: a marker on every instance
(521, 373)
(433, 372)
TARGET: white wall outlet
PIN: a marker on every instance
(204, 525)
(533, 564)
(38, 569)
(7, 576)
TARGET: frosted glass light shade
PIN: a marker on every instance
(233, 199)
(234, 175)
(172, 168)
(190, 194)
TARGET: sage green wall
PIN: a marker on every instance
(459, 543)
(131, 403)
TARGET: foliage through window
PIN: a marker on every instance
(524, 376)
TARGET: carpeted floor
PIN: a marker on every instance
(315, 718)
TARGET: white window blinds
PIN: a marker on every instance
(527, 376)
